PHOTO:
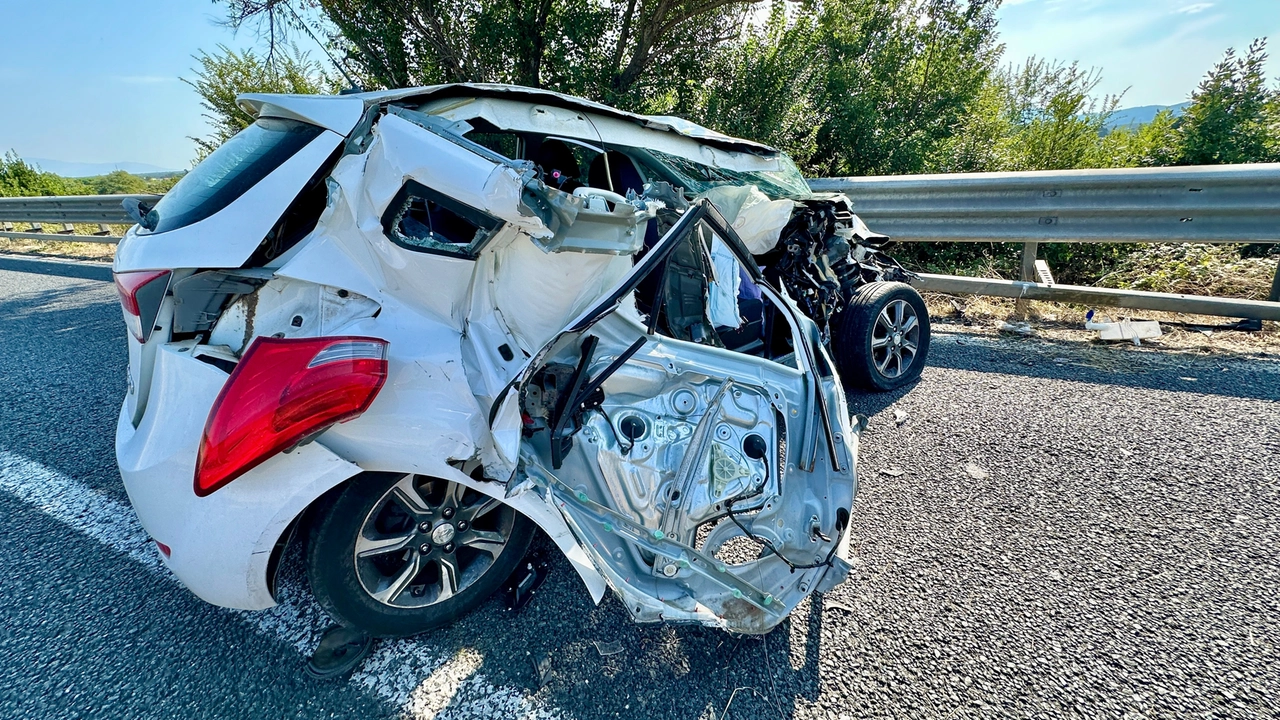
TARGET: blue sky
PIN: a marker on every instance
(97, 80)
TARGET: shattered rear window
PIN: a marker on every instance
(785, 182)
(425, 220)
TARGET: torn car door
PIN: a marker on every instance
(707, 469)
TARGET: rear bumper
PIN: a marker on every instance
(221, 544)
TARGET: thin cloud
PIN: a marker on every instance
(1193, 8)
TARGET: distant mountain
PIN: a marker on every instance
(1133, 117)
(78, 169)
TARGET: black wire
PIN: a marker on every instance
(768, 544)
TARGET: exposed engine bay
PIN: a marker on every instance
(824, 254)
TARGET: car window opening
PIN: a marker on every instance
(424, 220)
(703, 294)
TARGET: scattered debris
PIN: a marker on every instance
(1135, 330)
(340, 650)
(1017, 328)
(976, 472)
(838, 605)
(608, 648)
(893, 472)
(900, 416)
(542, 669)
(1062, 360)
(524, 582)
(1188, 379)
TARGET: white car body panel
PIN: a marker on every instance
(221, 544)
(337, 113)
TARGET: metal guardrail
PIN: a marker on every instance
(1210, 204)
(1213, 204)
(66, 212)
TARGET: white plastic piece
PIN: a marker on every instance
(1135, 330)
(338, 113)
(221, 543)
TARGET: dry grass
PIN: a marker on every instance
(102, 252)
(1201, 334)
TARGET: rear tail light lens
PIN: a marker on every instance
(283, 391)
(140, 296)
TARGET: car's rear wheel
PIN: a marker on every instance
(396, 555)
(881, 339)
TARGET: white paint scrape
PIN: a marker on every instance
(423, 681)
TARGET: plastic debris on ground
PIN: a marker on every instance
(1135, 330)
(976, 472)
(900, 417)
(607, 648)
(1017, 328)
(542, 668)
(525, 581)
(893, 472)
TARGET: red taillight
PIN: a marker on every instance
(141, 293)
(163, 548)
(282, 392)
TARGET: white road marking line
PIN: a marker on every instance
(409, 674)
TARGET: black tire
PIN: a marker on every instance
(857, 341)
(366, 509)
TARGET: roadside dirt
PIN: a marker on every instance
(1063, 325)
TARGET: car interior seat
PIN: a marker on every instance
(559, 165)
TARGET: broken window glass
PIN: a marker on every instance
(425, 220)
(695, 177)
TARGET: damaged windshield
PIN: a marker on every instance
(696, 178)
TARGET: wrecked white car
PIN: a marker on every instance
(408, 328)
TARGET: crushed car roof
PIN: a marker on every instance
(340, 113)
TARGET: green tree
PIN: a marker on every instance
(1232, 114)
(852, 87)
(19, 179)
(227, 73)
(766, 87)
(1153, 144)
(119, 182)
(900, 77)
(1037, 116)
(624, 53)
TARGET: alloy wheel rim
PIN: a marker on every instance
(895, 338)
(428, 539)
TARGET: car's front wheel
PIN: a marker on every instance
(881, 338)
(396, 555)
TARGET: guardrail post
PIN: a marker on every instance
(1275, 284)
(1029, 251)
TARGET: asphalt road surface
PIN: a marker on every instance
(1047, 532)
